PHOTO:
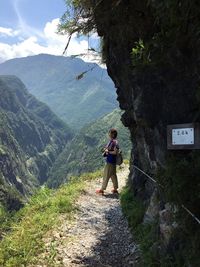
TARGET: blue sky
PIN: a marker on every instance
(28, 27)
(33, 12)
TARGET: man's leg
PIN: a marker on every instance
(106, 177)
(114, 181)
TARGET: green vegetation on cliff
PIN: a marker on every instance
(144, 234)
(181, 183)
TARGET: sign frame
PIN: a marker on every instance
(196, 145)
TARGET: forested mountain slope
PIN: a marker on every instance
(83, 153)
(76, 91)
(31, 137)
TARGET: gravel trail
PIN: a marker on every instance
(99, 236)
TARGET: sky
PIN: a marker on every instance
(28, 27)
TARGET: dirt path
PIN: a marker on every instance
(99, 236)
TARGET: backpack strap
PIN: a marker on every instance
(112, 144)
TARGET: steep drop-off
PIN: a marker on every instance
(31, 137)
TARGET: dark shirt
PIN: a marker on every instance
(111, 146)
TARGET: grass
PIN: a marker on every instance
(132, 208)
(144, 234)
(23, 242)
(185, 242)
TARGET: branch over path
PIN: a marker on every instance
(99, 236)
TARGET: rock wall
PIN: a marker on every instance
(152, 95)
(156, 86)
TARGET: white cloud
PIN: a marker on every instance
(24, 48)
(8, 32)
(47, 41)
(51, 29)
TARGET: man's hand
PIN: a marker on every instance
(106, 151)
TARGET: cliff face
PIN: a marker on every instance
(31, 137)
(154, 65)
(153, 95)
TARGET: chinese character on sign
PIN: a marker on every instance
(184, 136)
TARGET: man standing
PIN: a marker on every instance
(110, 152)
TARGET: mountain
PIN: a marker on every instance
(76, 91)
(83, 153)
(31, 137)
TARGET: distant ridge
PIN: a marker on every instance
(78, 92)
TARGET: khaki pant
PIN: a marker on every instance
(109, 172)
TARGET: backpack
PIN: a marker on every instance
(119, 158)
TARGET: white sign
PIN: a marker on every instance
(183, 136)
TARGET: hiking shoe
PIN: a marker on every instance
(99, 191)
(114, 191)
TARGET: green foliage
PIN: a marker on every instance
(176, 28)
(4, 217)
(83, 153)
(140, 54)
(179, 178)
(181, 182)
(3, 150)
(144, 234)
(181, 175)
(77, 18)
(23, 242)
(132, 208)
(147, 236)
(10, 197)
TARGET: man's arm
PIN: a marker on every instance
(114, 152)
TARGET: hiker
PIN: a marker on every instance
(110, 152)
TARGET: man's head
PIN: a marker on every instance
(113, 133)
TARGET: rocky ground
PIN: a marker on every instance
(97, 236)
